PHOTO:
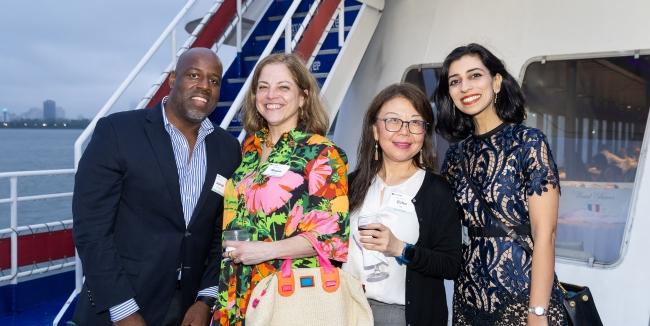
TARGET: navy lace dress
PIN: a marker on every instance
(507, 164)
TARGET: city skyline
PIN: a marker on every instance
(78, 52)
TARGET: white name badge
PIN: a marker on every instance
(219, 184)
(276, 170)
(401, 202)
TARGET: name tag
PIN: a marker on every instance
(219, 184)
(276, 170)
(401, 202)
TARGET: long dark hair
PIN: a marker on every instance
(367, 168)
(455, 125)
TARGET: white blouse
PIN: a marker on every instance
(384, 279)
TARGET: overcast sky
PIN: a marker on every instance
(77, 52)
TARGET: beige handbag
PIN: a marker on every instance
(323, 295)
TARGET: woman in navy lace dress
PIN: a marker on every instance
(481, 108)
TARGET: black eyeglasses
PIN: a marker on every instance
(415, 127)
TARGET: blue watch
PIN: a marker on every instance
(407, 254)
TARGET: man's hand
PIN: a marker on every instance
(134, 319)
(197, 315)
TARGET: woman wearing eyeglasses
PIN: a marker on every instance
(406, 234)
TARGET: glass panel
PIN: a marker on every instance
(426, 78)
(594, 112)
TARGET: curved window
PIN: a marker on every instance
(594, 113)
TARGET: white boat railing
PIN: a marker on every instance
(15, 230)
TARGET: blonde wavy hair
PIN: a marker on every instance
(312, 116)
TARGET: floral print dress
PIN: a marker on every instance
(311, 196)
(508, 164)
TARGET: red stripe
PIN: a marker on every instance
(38, 248)
(315, 29)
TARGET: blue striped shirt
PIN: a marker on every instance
(191, 176)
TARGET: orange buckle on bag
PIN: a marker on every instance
(286, 285)
(331, 280)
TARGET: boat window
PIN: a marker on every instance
(594, 113)
(425, 77)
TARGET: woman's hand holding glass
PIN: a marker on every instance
(239, 248)
(249, 252)
(378, 237)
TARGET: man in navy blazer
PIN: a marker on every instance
(148, 204)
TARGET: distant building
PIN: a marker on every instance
(60, 113)
(5, 117)
(49, 110)
(33, 114)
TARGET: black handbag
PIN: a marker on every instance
(577, 300)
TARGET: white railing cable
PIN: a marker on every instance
(236, 104)
(129, 79)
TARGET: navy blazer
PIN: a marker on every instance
(129, 228)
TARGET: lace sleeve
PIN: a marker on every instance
(539, 170)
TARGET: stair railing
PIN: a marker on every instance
(283, 27)
(234, 24)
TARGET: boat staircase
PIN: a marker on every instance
(331, 36)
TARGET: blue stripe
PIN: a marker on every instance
(123, 310)
(191, 169)
(209, 292)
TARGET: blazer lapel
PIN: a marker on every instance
(162, 147)
(210, 174)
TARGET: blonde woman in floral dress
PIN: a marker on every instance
(290, 186)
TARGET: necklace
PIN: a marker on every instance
(268, 143)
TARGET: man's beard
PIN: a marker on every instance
(194, 115)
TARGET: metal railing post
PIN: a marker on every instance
(238, 30)
(341, 23)
(13, 194)
(287, 37)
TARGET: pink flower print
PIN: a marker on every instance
(270, 194)
(339, 249)
(317, 172)
(320, 222)
(295, 216)
(335, 248)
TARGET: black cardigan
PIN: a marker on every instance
(437, 254)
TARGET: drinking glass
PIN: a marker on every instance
(373, 259)
(235, 235)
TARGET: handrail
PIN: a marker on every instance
(153, 90)
(78, 144)
(293, 45)
(236, 104)
(13, 229)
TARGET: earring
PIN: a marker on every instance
(421, 159)
(496, 95)
(376, 152)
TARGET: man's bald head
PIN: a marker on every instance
(194, 53)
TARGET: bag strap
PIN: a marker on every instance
(508, 230)
(323, 260)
